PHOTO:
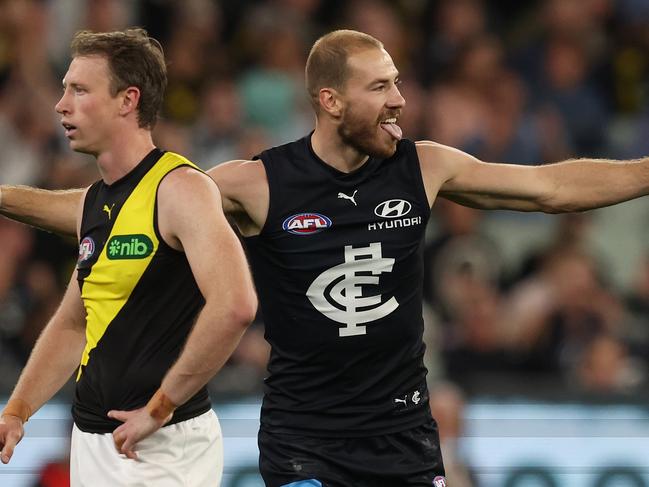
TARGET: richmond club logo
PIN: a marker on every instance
(306, 223)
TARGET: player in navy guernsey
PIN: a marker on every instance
(335, 297)
(334, 225)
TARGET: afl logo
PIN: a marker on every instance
(86, 249)
(393, 208)
(306, 223)
(439, 481)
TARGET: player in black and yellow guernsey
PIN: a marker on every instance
(334, 225)
(161, 294)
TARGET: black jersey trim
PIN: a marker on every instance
(138, 171)
(411, 147)
(267, 161)
(351, 178)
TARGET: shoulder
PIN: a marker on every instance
(244, 193)
(442, 160)
(428, 151)
(236, 173)
(186, 184)
(241, 182)
(187, 200)
(441, 163)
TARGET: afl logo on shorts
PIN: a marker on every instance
(86, 249)
(439, 481)
(306, 223)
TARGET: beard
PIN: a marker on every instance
(365, 136)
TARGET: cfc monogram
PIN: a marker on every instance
(343, 285)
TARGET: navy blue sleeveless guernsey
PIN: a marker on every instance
(338, 268)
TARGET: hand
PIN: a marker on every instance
(11, 432)
(138, 424)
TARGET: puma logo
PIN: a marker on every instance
(403, 401)
(350, 198)
(108, 210)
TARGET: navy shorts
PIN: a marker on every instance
(409, 458)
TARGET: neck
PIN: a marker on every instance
(124, 155)
(329, 147)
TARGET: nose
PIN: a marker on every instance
(62, 106)
(396, 99)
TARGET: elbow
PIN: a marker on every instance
(555, 204)
(248, 312)
(551, 209)
(557, 197)
(556, 207)
(242, 310)
(234, 307)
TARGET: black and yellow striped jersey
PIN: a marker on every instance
(140, 297)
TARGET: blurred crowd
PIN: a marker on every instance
(507, 81)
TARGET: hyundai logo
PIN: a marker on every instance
(393, 208)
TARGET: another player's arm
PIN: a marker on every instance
(191, 219)
(567, 186)
(54, 211)
(243, 185)
(244, 193)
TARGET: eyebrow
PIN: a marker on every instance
(72, 85)
(385, 80)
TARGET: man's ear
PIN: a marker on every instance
(130, 100)
(331, 102)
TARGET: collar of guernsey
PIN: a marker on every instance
(109, 284)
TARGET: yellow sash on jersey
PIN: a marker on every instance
(129, 250)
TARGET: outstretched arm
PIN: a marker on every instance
(567, 186)
(54, 211)
(191, 219)
(244, 192)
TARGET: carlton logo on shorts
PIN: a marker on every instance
(306, 223)
(439, 482)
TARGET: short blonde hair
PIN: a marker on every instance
(326, 66)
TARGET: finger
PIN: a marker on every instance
(120, 415)
(128, 449)
(120, 429)
(119, 438)
(7, 451)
